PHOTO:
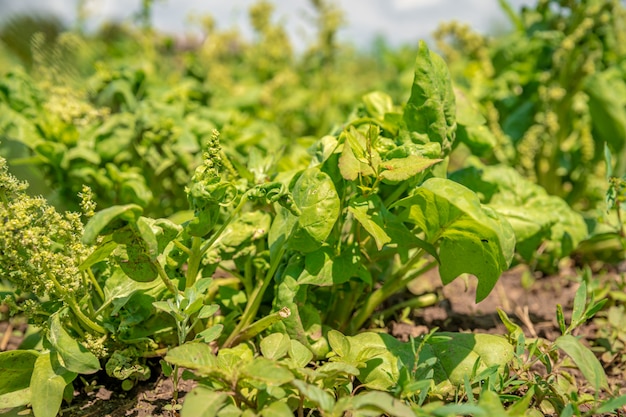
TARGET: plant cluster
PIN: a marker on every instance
(201, 236)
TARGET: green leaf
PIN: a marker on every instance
(47, 385)
(431, 108)
(611, 405)
(300, 353)
(277, 409)
(145, 232)
(16, 367)
(315, 195)
(377, 104)
(196, 356)
(275, 346)
(580, 301)
(357, 159)
(380, 402)
(203, 402)
(378, 233)
(267, 372)
(210, 334)
(339, 343)
(136, 264)
(101, 253)
(456, 354)
(471, 238)
(13, 399)
(585, 360)
(107, 220)
(404, 168)
(73, 356)
(318, 396)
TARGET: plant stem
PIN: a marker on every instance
(94, 282)
(394, 284)
(254, 302)
(193, 263)
(75, 308)
(207, 245)
(166, 280)
(260, 325)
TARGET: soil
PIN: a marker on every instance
(529, 301)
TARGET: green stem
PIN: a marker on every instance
(260, 325)
(94, 282)
(394, 284)
(207, 245)
(193, 263)
(166, 280)
(254, 302)
(75, 308)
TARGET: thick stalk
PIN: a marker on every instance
(255, 299)
(260, 325)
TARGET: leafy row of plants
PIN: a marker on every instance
(255, 262)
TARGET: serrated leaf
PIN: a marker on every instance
(585, 360)
(74, 356)
(402, 169)
(16, 367)
(47, 385)
(107, 220)
(471, 238)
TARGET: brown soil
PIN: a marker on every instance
(532, 306)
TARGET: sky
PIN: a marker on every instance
(399, 21)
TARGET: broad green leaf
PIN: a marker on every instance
(136, 264)
(471, 238)
(580, 301)
(318, 396)
(16, 398)
(585, 360)
(107, 220)
(101, 253)
(266, 371)
(479, 139)
(47, 385)
(377, 104)
(300, 353)
(16, 367)
(203, 402)
(73, 356)
(431, 109)
(276, 409)
(377, 232)
(322, 268)
(611, 405)
(456, 354)
(339, 343)
(404, 168)
(196, 356)
(145, 232)
(275, 346)
(315, 195)
(375, 401)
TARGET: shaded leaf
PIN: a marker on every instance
(471, 238)
(47, 385)
(16, 367)
(73, 356)
(107, 220)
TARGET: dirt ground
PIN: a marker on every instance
(531, 303)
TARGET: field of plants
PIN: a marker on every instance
(226, 226)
